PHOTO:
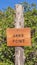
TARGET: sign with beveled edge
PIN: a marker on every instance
(18, 37)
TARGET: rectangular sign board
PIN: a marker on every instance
(18, 37)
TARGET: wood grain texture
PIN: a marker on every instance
(19, 23)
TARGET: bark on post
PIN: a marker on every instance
(19, 23)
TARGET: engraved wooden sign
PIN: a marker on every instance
(18, 37)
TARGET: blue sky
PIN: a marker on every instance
(5, 3)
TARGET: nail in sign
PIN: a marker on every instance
(18, 37)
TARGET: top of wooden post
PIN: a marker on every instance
(19, 19)
(19, 6)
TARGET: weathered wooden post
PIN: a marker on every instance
(19, 23)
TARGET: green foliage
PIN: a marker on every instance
(6, 53)
(7, 20)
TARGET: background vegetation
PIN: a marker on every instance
(7, 20)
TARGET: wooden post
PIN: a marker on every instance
(19, 23)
